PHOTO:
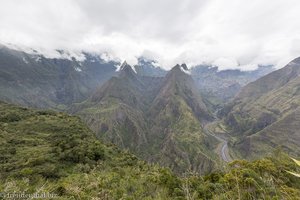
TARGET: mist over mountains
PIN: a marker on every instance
(158, 118)
(129, 105)
(164, 100)
(187, 120)
(71, 79)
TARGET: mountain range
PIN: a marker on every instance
(176, 117)
(35, 80)
(143, 132)
(221, 86)
(265, 114)
(158, 118)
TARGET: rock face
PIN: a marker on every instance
(265, 114)
(158, 118)
(36, 81)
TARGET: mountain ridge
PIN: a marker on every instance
(37, 81)
(257, 114)
(29, 78)
(152, 116)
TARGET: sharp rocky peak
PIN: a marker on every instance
(181, 67)
(126, 67)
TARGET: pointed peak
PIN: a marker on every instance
(182, 68)
(126, 71)
(126, 67)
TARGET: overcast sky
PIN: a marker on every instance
(230, 34)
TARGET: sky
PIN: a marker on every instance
(230, 34)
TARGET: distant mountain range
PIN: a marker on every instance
(220, 86)
(34, 80)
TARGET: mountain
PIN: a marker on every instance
(158, 118)
(33, 80)
(265, 114)
(69, 162)
(179, 113)
(115, 110)
(179, 84)
(221, 86)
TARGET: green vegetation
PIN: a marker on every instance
(158, 119)
(266, 114)
(185, 145)
(54, 152)
(45, 151)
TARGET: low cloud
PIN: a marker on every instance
(231, 34)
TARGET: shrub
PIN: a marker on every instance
(10, 117)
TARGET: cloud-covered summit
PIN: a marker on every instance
(230, 34)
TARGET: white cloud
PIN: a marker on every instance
(232, 34)
(225, 63)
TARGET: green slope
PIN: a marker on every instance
(159, 119)
(52, 152)
(177, 116)
(49, 152)
(178, 141)
(115, 111)
(264, 114)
